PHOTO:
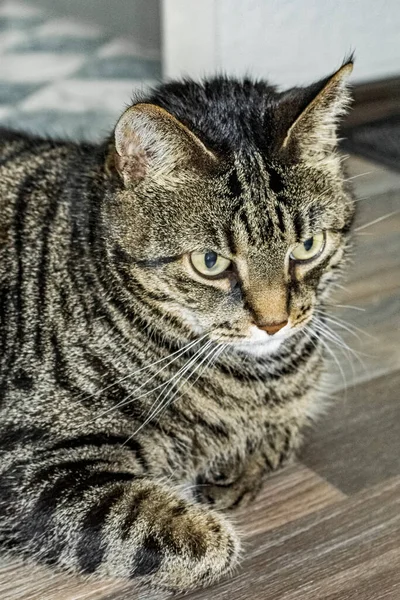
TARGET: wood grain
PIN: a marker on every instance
(334, 553)
(292, 494)
(359, 444)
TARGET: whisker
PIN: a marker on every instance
(338, 342)
(356, 176)
(334, 337)
(177, 376)
(395, 212)
(167, 400)
(127, 399)
(180, 351)
(336, 360)
(213, 354)
(347, 306)
(346, 325)
(335, 322)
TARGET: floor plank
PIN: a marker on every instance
(372, 282)
(337, 553)
(292, 494)
(358, 444)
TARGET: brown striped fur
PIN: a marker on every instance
(130, 392)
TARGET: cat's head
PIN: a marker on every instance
(231, 213)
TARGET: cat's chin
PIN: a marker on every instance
(259, 343)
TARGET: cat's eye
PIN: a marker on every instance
(209, 264)
(310, 248)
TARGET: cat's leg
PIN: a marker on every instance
(95, 513)
(232, 482)
(235, 480)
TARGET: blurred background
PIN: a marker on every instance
(70, 67)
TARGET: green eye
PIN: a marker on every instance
(209, 264)
(310, 248)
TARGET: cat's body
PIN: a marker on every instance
(119, 411)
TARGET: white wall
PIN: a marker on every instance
(287, 41)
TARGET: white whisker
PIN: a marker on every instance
(347, 306)
(345, 325)
(180, 351)
(356, 176)
(127, 399)
(337, 362)
(169, 400)
(395, 212)
(174, 380)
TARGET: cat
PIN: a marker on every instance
(161, 302)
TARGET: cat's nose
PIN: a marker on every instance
(272, 328)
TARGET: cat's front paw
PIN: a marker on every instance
(224, 497)
(200, 547)
(224, 490)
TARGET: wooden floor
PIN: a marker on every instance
(329, 526)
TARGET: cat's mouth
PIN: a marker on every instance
(259, 342)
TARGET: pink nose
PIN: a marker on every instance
(272, 328)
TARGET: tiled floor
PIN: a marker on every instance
(64, 77)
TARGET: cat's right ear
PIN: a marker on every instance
(152, 144)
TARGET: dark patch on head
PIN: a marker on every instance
(154, 263)
(253, 239)
(281, 223)
(234, 185)
(276, 181)
(148, 557)
(298, 226)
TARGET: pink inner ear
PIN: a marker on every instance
(132, 166)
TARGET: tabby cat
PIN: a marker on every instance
(159, 336)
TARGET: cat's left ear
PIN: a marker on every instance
(151, 144)
(313, 114)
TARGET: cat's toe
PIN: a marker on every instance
(201, 548)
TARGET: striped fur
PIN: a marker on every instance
(129, 396)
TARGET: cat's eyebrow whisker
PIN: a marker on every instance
(127, 399)
(356, 176)
(362, 198)
(378, 220)
(335, 284)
